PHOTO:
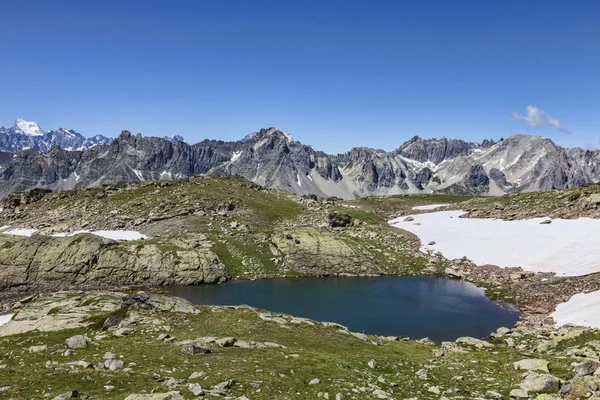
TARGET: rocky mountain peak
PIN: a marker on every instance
(266, 132)
(29, 128)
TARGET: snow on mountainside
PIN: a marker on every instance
(28, 128)
(272, 159)
(25, 135)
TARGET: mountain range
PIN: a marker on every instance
(271, 158)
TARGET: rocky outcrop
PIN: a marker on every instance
(314, 252)
(47, 263)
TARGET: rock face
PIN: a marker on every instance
(42, 262)
(272, 159)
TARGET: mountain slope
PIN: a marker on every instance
(273, 159)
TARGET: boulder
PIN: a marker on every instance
(541, 383)
(156, 396)
(532, 364)
(339, 220)
(586, 368)
(195, 348)
(478, 343)
(77, 342)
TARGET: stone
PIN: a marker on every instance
(490, 394)
(156, 396)
(110, 356)
(453, 273)
(195, 348)
(434, 389)
(587, 368)
(478, 343)
(196, 375)
(77, 342)
(339, 220)
(68, 395)
(226, 341)
(422, 374)
(123, 332)
(113, 365)
(339, 396)
(196, 389)
(518, 394)
(541, 383)
(380, 394)
(372, 364)
(314, 381)
(37, 349)
(532, 364)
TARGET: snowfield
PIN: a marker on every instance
(565, 247)
(581, 309)
(5, 318)
(429, 207)
(21, 232)
(115, 235)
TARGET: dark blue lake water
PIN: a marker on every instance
(417, 307)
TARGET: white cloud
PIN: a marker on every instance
(537, 118)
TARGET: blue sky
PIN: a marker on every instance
(335, 74)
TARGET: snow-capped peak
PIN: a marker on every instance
(28, 127)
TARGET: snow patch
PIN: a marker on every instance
(166, 175)
(115, 235)
(581, 309)
(236, 155)
(21, 232)
(429, 207)
(5, 318)
(138, 173)
(298, 180)
(565, 247)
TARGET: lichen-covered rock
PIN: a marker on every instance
(323, 253)
(532, 364)
(69, 310)
(155, 396)
(541, 383)
(47, 263)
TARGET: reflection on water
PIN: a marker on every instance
(438, 308)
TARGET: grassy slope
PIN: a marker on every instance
(185, 209)
(338, 360)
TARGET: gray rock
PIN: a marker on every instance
(195, 348)
(586, 368)
(110, 356)
(372, 364)
(196, 389)
(156, 396)
(196, 375)
(542, 383)
(478, 343)
(113, 365)
(490, 394)
(37, 349)
(532, 364)
(77, 342)
(314, 381)
(68, 395)
(226, 341)
(518, 394)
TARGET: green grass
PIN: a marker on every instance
(338, 360)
